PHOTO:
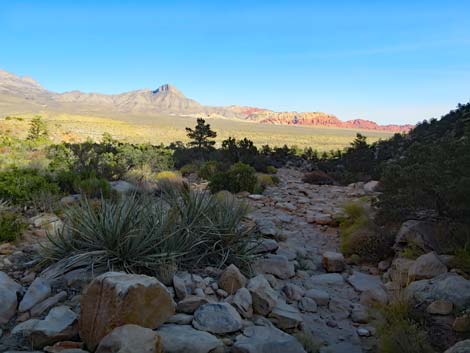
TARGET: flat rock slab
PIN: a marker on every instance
(217, 318)
(261, 339)
(184, 338)
(363, 282)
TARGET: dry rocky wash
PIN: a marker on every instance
(301, 284)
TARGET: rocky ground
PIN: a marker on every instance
(301, 284)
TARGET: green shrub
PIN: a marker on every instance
(189, 168)
(271, 170)
(183, 229)
(401, 331)
(93, 187)
(18, 185)
(167, 174)
(461, 258)
(240, 177)
(208, 170)
(11, 226)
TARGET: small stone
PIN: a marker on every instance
(462, 323)
(359, 314)
(331, 323)
(320, 296)
(266, 246)
(263, 296)
(48, 303)
(130, 339)
(232, 279)
(183, 338)
(425, 267)
(180, 319)
(333, 261)
(285, 316)
(190, 304)
(460, 347)
(217, 318)
(221, 293)
(440, 307)
(277, 265)
(9, 291)
(363, 332)
(307, 304)
(293, 292)
(36, 293)
(243, 302)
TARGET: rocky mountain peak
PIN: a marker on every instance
(167, 88)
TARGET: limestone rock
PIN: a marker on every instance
(460, 347)
(115, 299)
(449, 287)
(36, 293)
(277, 265)
(58, 325)
(262, 339)
(231, 279)
(9, 291)
(285, 316)
(425, 267)
(333, 261)
(264, 297)
(217, 318)
(243, 302)
(190, 304)
(130, 339)
(184, 338)
(440, 307)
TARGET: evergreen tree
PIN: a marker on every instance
(201, 136)
(37, 128)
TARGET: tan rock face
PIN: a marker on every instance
(232, 279)
(116, 299)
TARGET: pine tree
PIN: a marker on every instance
(37, 128)
(201, 136)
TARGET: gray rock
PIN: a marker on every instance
(333, 261)
(48, 303)
(418, 233)
(359, 314)
(293, 292)
(320, 296)
(183, 339)
(261, 339)
(307, 304)
(266, 227)
(9, 291)
(122, 186)
(180, 319)
(59, 325)
(440, 307)
(460, 347)
(129, 339)
(449, 287)
(285, 316)
(263, 296)
(425, 267)
(217, 318)
(326, 280)
(341, 308)
(276, 265)
(190, 304)
(182, 284)
(266, 246)
(362, 281)
(243, 302)
(373, 296)
(231, 279)
(36, 293)
(371, 186)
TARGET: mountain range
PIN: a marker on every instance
(25, 95)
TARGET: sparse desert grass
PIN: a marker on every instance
(167, 129)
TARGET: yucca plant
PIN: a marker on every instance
(182, 229)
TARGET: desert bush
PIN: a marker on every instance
(401, 330)
(45, 201)
(209, 169)
(92, 187)
(17, 185)
(240, 177)
(11, 225)
(182, 229)
(167, 174)
(143, 177)
(317, 177)
(265, 180)
(189, 168)
(271, 169)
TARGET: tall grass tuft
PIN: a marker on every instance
(182, 229)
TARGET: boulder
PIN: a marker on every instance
(36, 293)
(263, 296)
(130, 339)
(449, 287)
(232, 279)
(262, 339)
(333, 261)
(266, 246)
(277, 265)
(371, 186)
(321, 297)
(115, 299)
(425, 267)
(48, 221)
(217, 318)
(418, 233)
(184, 338)
(440, 307)
(362, 282)
(9, 291)
(374, 296)
(460, 347)
(59, 325)
(190, 304)
(285, 316)
(243, 302)
(47, 304)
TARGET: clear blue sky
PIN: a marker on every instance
(390, 61)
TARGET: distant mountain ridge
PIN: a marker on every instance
(23, 94)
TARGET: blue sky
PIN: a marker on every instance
(390, 61)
